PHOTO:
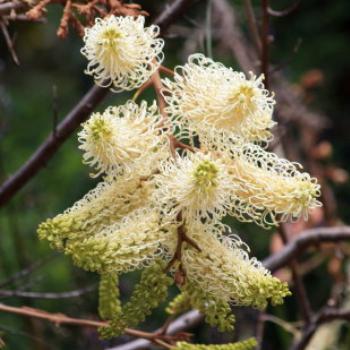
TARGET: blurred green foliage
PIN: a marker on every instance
(27, 110)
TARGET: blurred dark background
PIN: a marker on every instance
(313, 41)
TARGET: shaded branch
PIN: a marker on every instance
(27, 270)
(325, 316)
(7, 7)
(62, 319)
(52, 143)
(300, 291)
(306, 239)
(184, 322)
(47, 295)
(265, 42)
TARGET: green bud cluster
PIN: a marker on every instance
(107, 203)
(248, 344)
(217, 312)
(109, 303)
(255, 293)
(147, 295)
(179, 304)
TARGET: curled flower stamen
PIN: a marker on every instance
(123, 137)
(122, 53)
(218, 104)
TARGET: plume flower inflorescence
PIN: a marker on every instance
(160, 205)
(122, 52)
(197, 184)
(218, 104)
(123, 136)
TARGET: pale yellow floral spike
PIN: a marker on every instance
(107, 203)
(222, 267)
(122, 136)
(269, 189)
(197, 184)
(131, 244)
(122, 52)
(219, 104)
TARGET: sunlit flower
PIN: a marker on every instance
(104, 205)
(218, 103)
(222, 267)
(129, 244)
(198, 185)
(122, 136)
(122, 52)
(269, 189)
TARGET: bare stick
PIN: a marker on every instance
(7, 7)
(305, 240)
(50, 146)
(184, 322)
(60, 319)
(47, 295)
(301, 295)
(326, 315)
(265, 42)
(253, 28)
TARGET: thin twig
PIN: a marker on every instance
(50, 146)
(47, 295)
(265, 42)
(9, 42)
(184, 322)
(253, 27)
(7, 7)
(166, 70)
(305, 240)
(27, 271)
(62, 319)
(301, 294)
(325, 316)
(285, 12)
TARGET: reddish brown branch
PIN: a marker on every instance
(62, 319)
(182, 238)
(63, 28)
(50, 146)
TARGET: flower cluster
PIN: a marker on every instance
(170, 177)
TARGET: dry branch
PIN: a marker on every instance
(325, 316)
(47, 295)
(305, 240)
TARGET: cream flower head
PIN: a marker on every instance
(269, 189)
(122, 53)
(223, 268)
(197, 184)
(217, 103)
(123, 137)
(129, 244)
